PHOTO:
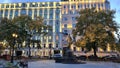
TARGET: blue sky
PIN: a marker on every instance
(115, 4)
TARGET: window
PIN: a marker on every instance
(40, 4)
(40, 11)
(70, 12)
(65, 31)
(98, 5)
(51, 22)
(74, 25)
(35, 13)
(94, 5)
(65, 19)
(6, 13)
(24, 5)
(57, 11)
(45, 4)
(45, 16)
(36, 4)
(88, 5)
(76, 12)
(23, 12)
(33, 5)
(50, 45)
(40, 15)
(1, 12)
(12, 6)
(45, 11)
(102, 4)
(58, 4)
(65, 25)
(57, 25)
(85, 6)
(64, 6)
(78, 6)
(2, 6)
(51, 11)
(51, 4)
(11, 13)
(57, 16)
(51, 16)
(44, 45)
(30, 12)
(73, 19)
(56, 45)
(17, 6)
(7, 6)
(57, 22)
(74, 6)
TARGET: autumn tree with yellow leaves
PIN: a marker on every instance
(96, 29)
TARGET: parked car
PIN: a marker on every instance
(82, 57)
(55, 56)
(58, 58)
(110, 57)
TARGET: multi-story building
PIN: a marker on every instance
(60, 15)
(70, 10)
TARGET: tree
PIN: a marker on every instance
(7, 28)
(96, 28)
(24, 23)
(70, 41)
(2, 47)
(40, 29)
(25, 28)
(30, 28)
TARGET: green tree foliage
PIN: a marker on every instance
(7, 28)
(24, 26)
(118, 47)
(2, 47)
(96, 28)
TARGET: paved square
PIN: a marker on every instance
(52, 64)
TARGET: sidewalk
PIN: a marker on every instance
(52, 64)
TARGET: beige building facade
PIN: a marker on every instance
(60, 15)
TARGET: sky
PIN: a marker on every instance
(115, 5)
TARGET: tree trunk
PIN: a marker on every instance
(10, 50)
(29, 51)
(69, 46)
(95, 49)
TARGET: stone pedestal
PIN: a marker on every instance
(70, 58)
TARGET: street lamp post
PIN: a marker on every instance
(29, 55)
(14, 42)
(50, 46)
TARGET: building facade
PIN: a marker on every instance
(70, 10)
(60, 15)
